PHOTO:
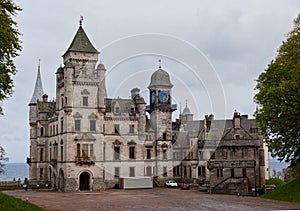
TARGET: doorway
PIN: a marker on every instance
(84, 181)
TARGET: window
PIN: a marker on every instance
(84, 149)
(117, 129)
(77, 124)
(164, 154)
(131, 128)
(148, 171)
(244, 172)
(132, 110)
(131, 172)
(117, 171)
(237, 137)
(201, 171)
(232, 172)
(41, 173)
(116, 152)
(61, 124)
(92, 125)
(85, 101)
(165, 172)
(91, 150)
(201, 155)
(61, 153)
(42, 131)
(132, 152)
(117, 110)
(148, 153)
(219, 172)
(78, 150)
(41, 154)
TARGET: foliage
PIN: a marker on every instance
(278, 98)
(288, 192)
(2, 159)
(275, 181)
(9, 47)
(292, 173)
(11, 203)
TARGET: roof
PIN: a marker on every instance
(81, 43)
(186, 110)
(160, 78)
(38, 88)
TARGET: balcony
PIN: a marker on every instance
(84, 160)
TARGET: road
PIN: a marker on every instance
(147, 199)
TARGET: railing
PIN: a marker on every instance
(84, 160)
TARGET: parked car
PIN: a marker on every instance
(171, 184)
(185, 186)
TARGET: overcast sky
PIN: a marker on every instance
(237, 38)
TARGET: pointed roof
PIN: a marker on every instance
(81, 43)
(38, 89)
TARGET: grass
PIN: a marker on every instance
(11, 203)
(287, 192)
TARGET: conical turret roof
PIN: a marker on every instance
(81, 43)
(38, 89)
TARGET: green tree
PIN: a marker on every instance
(278, 100)
(9, 47)
(2, 159)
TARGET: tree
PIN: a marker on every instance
(2, 159)
(9, 47)
(278, 100)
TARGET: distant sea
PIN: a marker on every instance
(21, 170)
(15, 170)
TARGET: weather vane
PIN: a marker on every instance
(80, 21)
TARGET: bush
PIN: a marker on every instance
(275, 181)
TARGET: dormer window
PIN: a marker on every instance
(117, 110)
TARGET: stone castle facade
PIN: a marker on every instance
(84, 140)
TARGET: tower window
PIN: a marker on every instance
(131, 128)
(116, 152)
(132, 152)
(92, 125)
(77, 124)
(148, 153)
(85, 101)
(117, 129)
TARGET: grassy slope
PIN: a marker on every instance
(288, 192)
(11, 203)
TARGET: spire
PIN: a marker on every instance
(38, 89)
(81, 42)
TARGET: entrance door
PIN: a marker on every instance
(84, 181)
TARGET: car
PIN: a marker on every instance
(171, 184)
(185, 186)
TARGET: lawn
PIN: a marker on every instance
(11, 203)
(288, 192)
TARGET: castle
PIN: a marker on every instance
(84, 140)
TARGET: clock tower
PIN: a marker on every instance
(161, 108)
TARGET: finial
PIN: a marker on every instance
(159, 61)
(185, 103)
(80, 21)
(39, 65)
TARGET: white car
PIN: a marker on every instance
(171, 184)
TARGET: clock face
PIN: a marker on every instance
(153, 97)
(163, 96)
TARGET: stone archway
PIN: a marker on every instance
(84, 181)
(61, 180)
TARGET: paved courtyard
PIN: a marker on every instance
(147, 199)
